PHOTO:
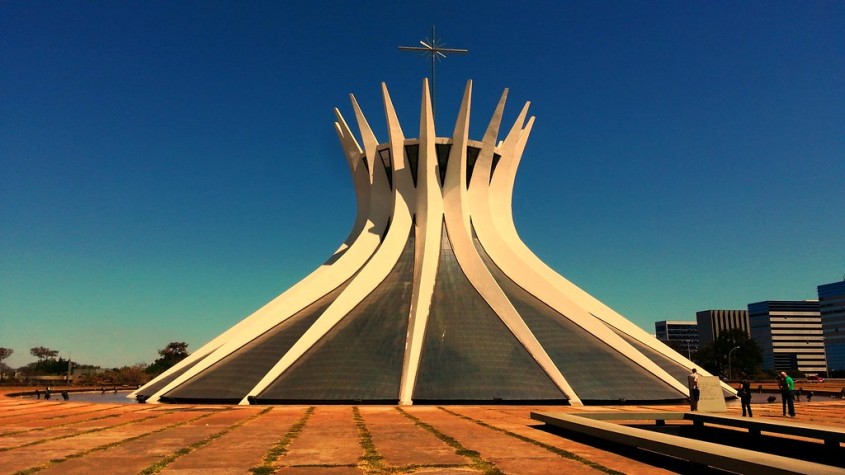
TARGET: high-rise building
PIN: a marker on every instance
(789, 334)
(713, 322)
(832, 308)
(683, 334)
(433, 297)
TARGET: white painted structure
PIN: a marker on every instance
(435, 274)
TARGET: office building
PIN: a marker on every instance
(713, 322)
(683, 334)
(789, 334)
(832, 308)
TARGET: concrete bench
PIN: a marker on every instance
(832, 436)
(660, 418)
(704, 453)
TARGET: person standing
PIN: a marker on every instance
(745, 395)
(694, 393)
(787, 386)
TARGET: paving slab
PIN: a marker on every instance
(330, 437)
(517, 421)
(124, 417)
(134, 456)
(403, 443)
(241, 449)
(320, 471)
(34, 408)
(509, 454)
(36, 455)
(48, 423)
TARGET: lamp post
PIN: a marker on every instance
(730, 372)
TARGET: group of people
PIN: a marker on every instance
(785, 383)
(48, 393)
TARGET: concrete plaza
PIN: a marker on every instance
(56, 437)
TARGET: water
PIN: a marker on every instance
(109, 397)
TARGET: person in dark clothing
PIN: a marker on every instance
(694, 392)
(745, 396)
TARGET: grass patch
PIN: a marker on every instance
(478, 463)
(371, 461)
(557, 451)
(159, 466)
(281, 446)
(106, 446)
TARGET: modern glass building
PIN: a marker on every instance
(832, 308)
(789, 334)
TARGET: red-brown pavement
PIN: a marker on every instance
(188, 440)
(24, 423)
(509, 454)
(517, 421)
(402, 443)
(21, 458)
(22, 438)
(330, 437)
(136, 455)
(242, 448)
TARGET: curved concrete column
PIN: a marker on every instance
(429, 219)
(458, 228)
(376, 268)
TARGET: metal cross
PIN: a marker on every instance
(434, 49)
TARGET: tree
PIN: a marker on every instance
(171, 354)
(4, 369)
(720, 355)
(43, 353)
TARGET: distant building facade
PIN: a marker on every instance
(683, 332)
(713, 322)
(832, 309)
(789, 334)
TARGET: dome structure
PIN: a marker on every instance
(433, 297)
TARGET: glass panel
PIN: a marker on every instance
(468, 353)
(360, 359)
(230, 379)
(676, 370)
(496, 158)
(472, 156)
(388, 165)
(596, 371)
(151, 389)
(412, 155)
(443, 150)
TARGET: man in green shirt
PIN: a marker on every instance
(787, 388)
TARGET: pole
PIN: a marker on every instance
(730, 371)
(433, 79)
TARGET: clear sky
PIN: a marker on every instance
(167, 167)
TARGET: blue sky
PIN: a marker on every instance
(168, 167)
